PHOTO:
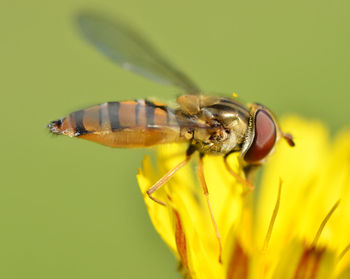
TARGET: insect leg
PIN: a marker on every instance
(206, 194)
(165, 178)
(236, 175)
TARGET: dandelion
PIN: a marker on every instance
(296, 224)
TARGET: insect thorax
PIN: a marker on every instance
(218, 131)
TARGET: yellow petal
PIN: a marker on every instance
(298, 168)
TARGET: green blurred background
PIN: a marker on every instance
(71, 208)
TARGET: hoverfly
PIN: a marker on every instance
(209, 124)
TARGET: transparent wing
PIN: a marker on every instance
(126, 47)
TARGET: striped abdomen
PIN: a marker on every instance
(122, 124)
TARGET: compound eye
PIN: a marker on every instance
(264, 137)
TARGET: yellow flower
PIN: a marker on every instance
(296, 224)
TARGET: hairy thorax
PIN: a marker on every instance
(218, 131)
